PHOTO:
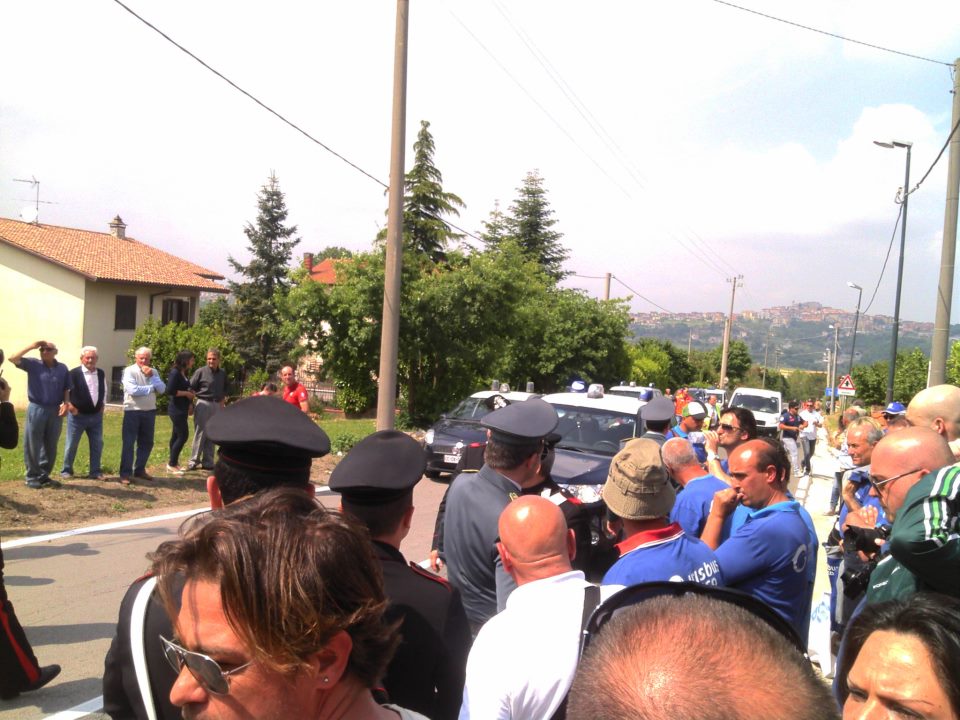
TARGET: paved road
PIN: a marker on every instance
(67, 591)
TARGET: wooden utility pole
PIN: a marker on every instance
(390, 327)
(940, 349)
(734, 281)
(606, 287)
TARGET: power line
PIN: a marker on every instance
(614, 277)
(833, 35)
(883, 269)
(249, 95)
(939, 155)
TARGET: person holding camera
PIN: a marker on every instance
(912, 473)
(48, 390)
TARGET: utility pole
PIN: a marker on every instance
(829, 361)
(390, 327)
(833, 372)
(689, 343)
(734, 281)
(763, 377)
(940, 349)
(606, 287)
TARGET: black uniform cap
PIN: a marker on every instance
(380, 468)
(266, 434)
(522, 422)
(658, 410)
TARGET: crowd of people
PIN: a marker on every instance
(80, 395)
(694, 602)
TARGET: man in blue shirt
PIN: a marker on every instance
(772, 556)
(638, 492)
(689, 428)
(698, 488)
(48, 390)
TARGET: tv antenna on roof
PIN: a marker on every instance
(32, 215)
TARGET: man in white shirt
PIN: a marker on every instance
(141, 385)
(523, 660)
(808, 435)
(87, 397)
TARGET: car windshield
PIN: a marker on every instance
(469, 409)
(593, 429)
(757, 403)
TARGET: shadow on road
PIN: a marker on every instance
(56, 697)
(36, 552)
(68, 634)
(26, 580)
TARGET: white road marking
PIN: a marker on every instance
(20, 542)
(81, 710)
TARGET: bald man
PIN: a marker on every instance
(938, 408)
(919, 487)
(773, 555)
(523, 660)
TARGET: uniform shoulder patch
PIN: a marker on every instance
(145, 576)
(429, 575)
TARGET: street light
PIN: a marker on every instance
(903, 241)
(856, 319)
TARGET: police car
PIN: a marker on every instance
(455, 430)
(640, 392)
(592, 427)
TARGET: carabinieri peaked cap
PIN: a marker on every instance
(380, 468)
(522, 422)
(657, 410)
(266, 434)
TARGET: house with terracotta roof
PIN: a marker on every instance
(77, 287)
(324, 272)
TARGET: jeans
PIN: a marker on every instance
(77, 425)
(837, 488)
(137, 429)
(791, 445)
(178, 438)
(809, 445)
(41, 435)
(202, 445)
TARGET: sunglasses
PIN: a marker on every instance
(205, 669)
(877, 483)
(635, 594)
(727, 428)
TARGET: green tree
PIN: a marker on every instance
(494, 228)
(805, 384)
(738, 362)
(334, 252)
(255, 323)
(425, 202)
(909, 378)
(165, 341)
(215, 315)
(953, 364)
(530, 223)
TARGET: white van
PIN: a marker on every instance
(766, 406)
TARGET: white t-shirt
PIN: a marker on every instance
(813, 420)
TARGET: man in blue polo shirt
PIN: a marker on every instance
(48, 390)
(698, 488)
(772, 556)
(638, 492)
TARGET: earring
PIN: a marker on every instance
(325, 679)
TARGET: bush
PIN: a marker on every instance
(343, 443)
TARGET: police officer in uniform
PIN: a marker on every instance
(263, 444)
(657, 416)
(376, 481)
(512, 460)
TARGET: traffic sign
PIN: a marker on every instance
(846, 386)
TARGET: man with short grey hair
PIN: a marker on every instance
(88, 396)
(141, 385)
(209, 386)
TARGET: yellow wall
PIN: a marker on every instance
(38, 301)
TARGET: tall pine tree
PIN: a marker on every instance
(255, 321)
(494, 228)
(529, 223)
(425, 203)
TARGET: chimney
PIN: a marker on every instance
(118, 228)
(308, 262)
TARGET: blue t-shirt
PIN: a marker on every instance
(664, 554)
(791, 420)
(862, 493)
(698, 447)
(692, 506)
(773, 556)
(45, 385)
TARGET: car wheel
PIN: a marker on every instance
(432, 474)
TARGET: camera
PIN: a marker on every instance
(864, 539)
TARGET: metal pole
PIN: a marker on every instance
(829, 375)
(896, 306)
(856, 320)
(763, 377)
(940, 349)
(606, 287)
(390, 327)
(836, 360)
(726, 332)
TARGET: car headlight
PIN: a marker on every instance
(428, 438)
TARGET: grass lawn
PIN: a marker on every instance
(343, 435)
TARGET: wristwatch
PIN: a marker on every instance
(712, 456)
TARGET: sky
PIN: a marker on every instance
(680, 143)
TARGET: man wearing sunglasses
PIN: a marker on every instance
(263, 444)
(919, 487)
(736, 426)
(773, 554)
(48, 390)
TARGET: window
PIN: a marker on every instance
(175, 311)
(125, 317)
(115, 393)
